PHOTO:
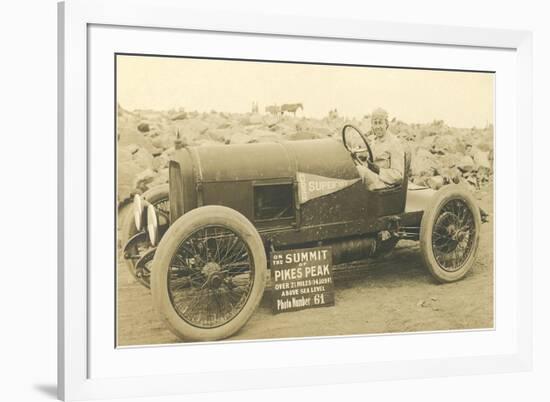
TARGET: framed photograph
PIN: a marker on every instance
(254, 201)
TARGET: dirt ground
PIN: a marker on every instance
(392, 294)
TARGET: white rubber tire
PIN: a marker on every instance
(429, 217)
(180, 230)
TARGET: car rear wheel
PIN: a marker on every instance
(449, 233)
(209, 273)
(159, 198)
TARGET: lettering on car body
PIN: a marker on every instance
(313, 186)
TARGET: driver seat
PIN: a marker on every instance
(373, 181)
(390, 200)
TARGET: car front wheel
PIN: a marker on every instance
(449, 233)
(209, 273)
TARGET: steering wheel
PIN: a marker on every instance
(356, 151)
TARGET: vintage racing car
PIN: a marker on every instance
(201, 243)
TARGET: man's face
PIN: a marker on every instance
(379, 126)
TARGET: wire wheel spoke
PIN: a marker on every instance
(453, 235)
(162, 206)
(211, 276)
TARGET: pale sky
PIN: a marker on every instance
(461, 99)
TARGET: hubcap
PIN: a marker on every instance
(211, 268)
(214, 276)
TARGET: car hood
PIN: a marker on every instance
(258, 161)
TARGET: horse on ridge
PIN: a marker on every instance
(291, 108)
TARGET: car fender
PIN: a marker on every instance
(418, 198)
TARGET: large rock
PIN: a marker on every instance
(317, 127)
(125, 180)
(143, 127)
(191, 129)
(262, 135)
(407, 136)
(142, 158)
(255, 119)
(241, 138)
(215, 120)
(162, 161)
(163, 141)
(124, 154)
(244, 120)
(485, 145)
(208, 143)
(448, 160)
(220, 134)
(179, 116)
(143, 179)
(304, 135)
(132, 160)
(426, 141)
(448, 144)
(435, 182)
(450, 174)
(397, 127)
(126, 173)
(481, 159)
(283, 128)
(135, 154)
(133, 136)
(269, 138)
(466, 163)
(423, 163)
(161, 177)
(471, 181)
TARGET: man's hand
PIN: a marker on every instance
(374, 167)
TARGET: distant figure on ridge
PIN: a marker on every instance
(291, 108)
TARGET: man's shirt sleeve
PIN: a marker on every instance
(394, 174)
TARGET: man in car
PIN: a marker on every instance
(387, 168)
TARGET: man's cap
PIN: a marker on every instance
(379, 112)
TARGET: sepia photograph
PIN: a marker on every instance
(265, 199)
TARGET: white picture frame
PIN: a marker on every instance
(77, 17)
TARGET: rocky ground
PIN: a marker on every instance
(146, 142)
(394, 294)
